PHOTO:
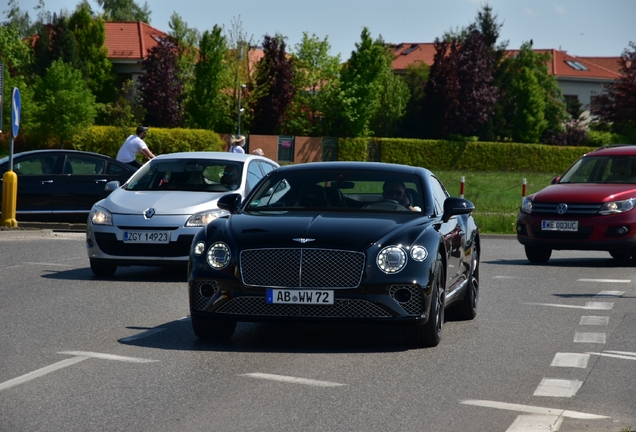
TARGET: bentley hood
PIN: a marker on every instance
(326, 230)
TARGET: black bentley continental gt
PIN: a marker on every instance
(345, 242)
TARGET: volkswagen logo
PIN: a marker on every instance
(148, 213)
(562, 208)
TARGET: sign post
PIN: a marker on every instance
(10, 178)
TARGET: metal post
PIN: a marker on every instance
(240, 108)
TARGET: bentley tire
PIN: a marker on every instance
(212, 329)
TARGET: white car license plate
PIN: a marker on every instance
(549, 225)
(310, 297)
(146, 236)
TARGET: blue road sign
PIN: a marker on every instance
(15, 112)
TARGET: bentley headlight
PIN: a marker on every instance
(419, 253)
(391, 259)
(614, 207)
(199, 248)
(526, 205)
(203, 218)
(100, 216)
(219, 255)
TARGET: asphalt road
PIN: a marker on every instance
(553, 346)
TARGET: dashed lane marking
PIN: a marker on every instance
(573, 360)
(610, 294)
(582, 337)
(588, 305)
(558, 387)
(605, 280)
(292, 380)
(591, 320)
(533, 409)
(535, 423)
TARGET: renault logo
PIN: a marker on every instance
(303, 240)
(562, 208)
(148, 213)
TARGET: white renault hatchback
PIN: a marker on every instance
(151, 219)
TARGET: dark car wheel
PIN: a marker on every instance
(430, 333)
(102, 269)
(621, 255)
(212, 329)
(468, 307)
(538, 254)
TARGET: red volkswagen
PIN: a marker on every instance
(589, 207)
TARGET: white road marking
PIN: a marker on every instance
(45, 264)
(616, 354)
(41, 372)
(594, 320)
(605, 280)
(558, 387)
(108, 356)
(588, 305)
(570, 360)
(533, 409)
(536, 423)
(143, 334)
(582, 337)
(293, 380)
(610, 293)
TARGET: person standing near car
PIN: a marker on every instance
(236, 144)
(134, 145)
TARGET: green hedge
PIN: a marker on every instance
(108, 139)
(464, 155)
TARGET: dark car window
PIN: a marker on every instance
(333, 189)
(254, 174)
(83, 165)
(35, 165)
(115, 169)
(439, 195)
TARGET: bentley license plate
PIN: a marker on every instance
(310, 297)
(550, 225)
(146, 236)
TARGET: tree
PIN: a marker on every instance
(207, 104)
(315, 74)
(618, 105)
(411, 124)
(125, 10)
(528, 72)
(274, 89)
(186, 40)
(350, 112)
(55, 42)
(393, 99)
(160, 88)
(65, 105)
(90, 34)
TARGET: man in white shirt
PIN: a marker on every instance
(133, 145)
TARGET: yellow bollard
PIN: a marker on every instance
(9, 198)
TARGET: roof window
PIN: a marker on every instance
(410, 49)
(576, 65)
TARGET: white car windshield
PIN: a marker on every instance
(187, 175)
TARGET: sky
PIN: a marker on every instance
(580, 27)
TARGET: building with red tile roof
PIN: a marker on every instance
(580, 78)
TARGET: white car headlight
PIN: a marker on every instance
(419, 253)
(526, 205)
(204, 218)
(391, 259)
(218, 255)
(614, 207)
(199, 248)
(100, 216)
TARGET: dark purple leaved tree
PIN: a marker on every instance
(274, 90)
(160, 89)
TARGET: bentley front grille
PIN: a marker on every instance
(411, 303)
(342, 308)
(302, 268)
(202, 292)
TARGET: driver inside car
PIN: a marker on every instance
(396, 191)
